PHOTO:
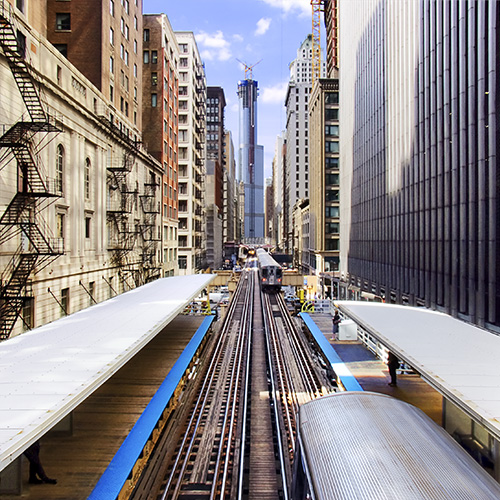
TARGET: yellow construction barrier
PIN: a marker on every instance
(308, 306)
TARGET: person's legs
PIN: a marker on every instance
(392, 372)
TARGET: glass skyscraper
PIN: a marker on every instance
(421, 204)
(251, 161)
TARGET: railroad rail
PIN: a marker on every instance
(233, 433)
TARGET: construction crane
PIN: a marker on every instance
(316, 39)
(248, 69)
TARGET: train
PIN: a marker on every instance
(365, 445)
(270, 272)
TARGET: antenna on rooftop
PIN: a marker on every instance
(248, 68)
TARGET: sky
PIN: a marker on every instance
(269, 31)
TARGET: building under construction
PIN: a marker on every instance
(251, 159)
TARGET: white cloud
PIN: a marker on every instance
(275, 94)
(237, 38)
(262, 25)
(214, 46)
(287, 6)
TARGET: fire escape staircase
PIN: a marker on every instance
(150, 208)
(120, 207)
(22, 216)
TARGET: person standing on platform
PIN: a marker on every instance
(33, 455)
(336, 322)
(393, 364)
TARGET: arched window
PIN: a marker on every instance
(60, 169)
(87, 178)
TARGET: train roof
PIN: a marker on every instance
(363, 445)
(265, 259)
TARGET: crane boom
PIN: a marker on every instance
(316, 39)
(248, 68)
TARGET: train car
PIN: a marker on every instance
(270, 272)
(365, 445)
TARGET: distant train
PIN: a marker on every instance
(270, 272)
(365, 445)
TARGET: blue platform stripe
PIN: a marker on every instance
(119, 469)
(343, 373)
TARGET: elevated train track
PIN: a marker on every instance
(233, 434)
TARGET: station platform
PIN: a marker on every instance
(100, 424)
(373, 375)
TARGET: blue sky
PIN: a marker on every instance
(249, 30)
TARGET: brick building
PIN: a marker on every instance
(160, 84)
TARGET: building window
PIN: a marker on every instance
(135, 46)
(20, 5)
(111, 36)
(60, 220)
(27, 314)
(60, 169)
(182, 262)
(87, 178)
(332, 130)
(63, 21)
(154, 100)
(87, 227)
(331, 211)
(112, 7)
(331, 147)
(154, 56)
(62, 48)
(135, 70)
(146, 57)
(111, 93)
(331, 114)
(111, 290)
(332, 98)
(64, 302)
(111, 64)
(154, 79)
(146, 35)
(91, 292)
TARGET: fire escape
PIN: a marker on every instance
(199, 239)
(22, 217)
(122, 197)
(150, 208)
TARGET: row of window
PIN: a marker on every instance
(150, 56)
(60, 172)
(61, 226)
(124, 3)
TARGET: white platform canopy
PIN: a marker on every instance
(460, 360)
(49, 371)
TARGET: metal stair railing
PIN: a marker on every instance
(17, 64)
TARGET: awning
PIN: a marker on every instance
(47, 372)
(458, 359)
